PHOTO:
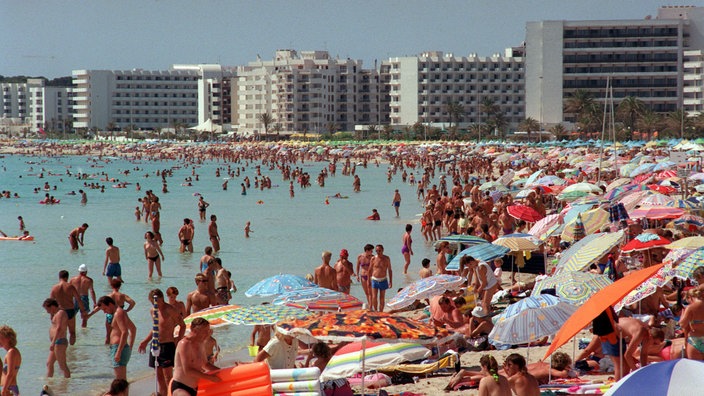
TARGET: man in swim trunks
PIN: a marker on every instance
(185, 235)
(363, 261)
(84, 284)
(191, 363)
(344, 272)
(201, 298)
(382, 278)
(75, 237)
(57, 336)
(111, 265)
(169, 318)
(153, 254)
(65, 294)
(213, 233)
(396, 201)
(122, 335)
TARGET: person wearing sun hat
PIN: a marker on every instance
(344, 272)
(84, 284)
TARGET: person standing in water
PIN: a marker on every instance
(153, 254)
(406, 249)
(396, 201)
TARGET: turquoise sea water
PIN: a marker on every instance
(289, 236)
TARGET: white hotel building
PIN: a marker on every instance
(420, 87)
(305, 92)
(654, 60)
(185, 95)
(33, 106)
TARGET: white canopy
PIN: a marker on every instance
(207, 126)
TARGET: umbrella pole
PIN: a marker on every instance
(364, 357)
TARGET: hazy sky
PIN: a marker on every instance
(51, 38)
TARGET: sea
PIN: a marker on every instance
(289, 235)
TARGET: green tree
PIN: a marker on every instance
(578, 103)
(649, 122)
(559, 131)
(266, 119)
(529, 125)
(629, 110)
(455, 113)
(677, 123)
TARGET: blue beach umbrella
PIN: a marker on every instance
(278, 284)
(673, 377)
(530, 319)
(482, 252)
(425, 288)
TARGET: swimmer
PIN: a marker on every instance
(57, 337)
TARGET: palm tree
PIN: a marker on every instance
(591, 117)
(649, 122)
(266, 119)
(530, 125)
(629, 110)
(578, 103)
(455, 111)
(677, 122)
(559, 131)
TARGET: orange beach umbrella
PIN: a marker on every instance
(599, 302)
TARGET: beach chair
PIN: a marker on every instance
(448, 361)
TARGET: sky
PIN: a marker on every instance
(51, 38)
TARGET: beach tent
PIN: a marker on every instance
(207, 126)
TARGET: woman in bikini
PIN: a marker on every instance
(363, 261)
(12, 362)
(692, 322)
(406, 249)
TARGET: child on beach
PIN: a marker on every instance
(425, 271)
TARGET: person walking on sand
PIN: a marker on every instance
(213, 234)
(325, 275)
(407, 249)
(75, 237)
(84, 284)
(122, 335)
(111, 265)
(12, 362)
(65, 294)
(57, 337)
(191, 362)
(169, 318)
(153, 254)
(185, 235)
(396, 202)
(202, 206)
(344, 272)
(382, 278)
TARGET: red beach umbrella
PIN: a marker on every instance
(523, 212)
(644, 241)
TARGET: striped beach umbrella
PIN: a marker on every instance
(264, 314)
(648, 287)
(574, 287)
(656, 212)
(644, 241)
(318, 299)
(530, 319)
(684, 204)
(425, 288)
(214, 315)
(351, 358)
(657, 200)
(685, 269)
(592, 221)
(482, 252)
(517, 244)
(692, 243)
(590, 252)
(544, 224)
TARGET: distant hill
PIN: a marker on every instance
(56, 82)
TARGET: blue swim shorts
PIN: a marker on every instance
(114, 270)
(380, 284)
(124, 356)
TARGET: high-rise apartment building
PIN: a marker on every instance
(305, 92)
(420, 87)
(642, 58)
(35, 106)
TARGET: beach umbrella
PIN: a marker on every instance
(155, 346)
(620, 182)
(687, 205)
(278, 284)
(574, 287)
(318, 299)
(425, 288)
(214, 315)
(669, 378)
(648, 287)
(592, 221)
(523, 212)
(697, 176)
(550, 180)
(507, 177)
(461, 240)
(642, 169)
(597, 304)
(264, 314)
(587, 188)
(692, 243)
(685, 269)
(633, 198)
(662, 189)
(656, 212)
(644, 241)
(657, 200)
(571, 212)
(530, 319)
(482, 252)
(664, 165)
(492, 185)
(580, 256)
(371, 355)
(544, 224)
(517, 244)
(675, 256)
(362, 324)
